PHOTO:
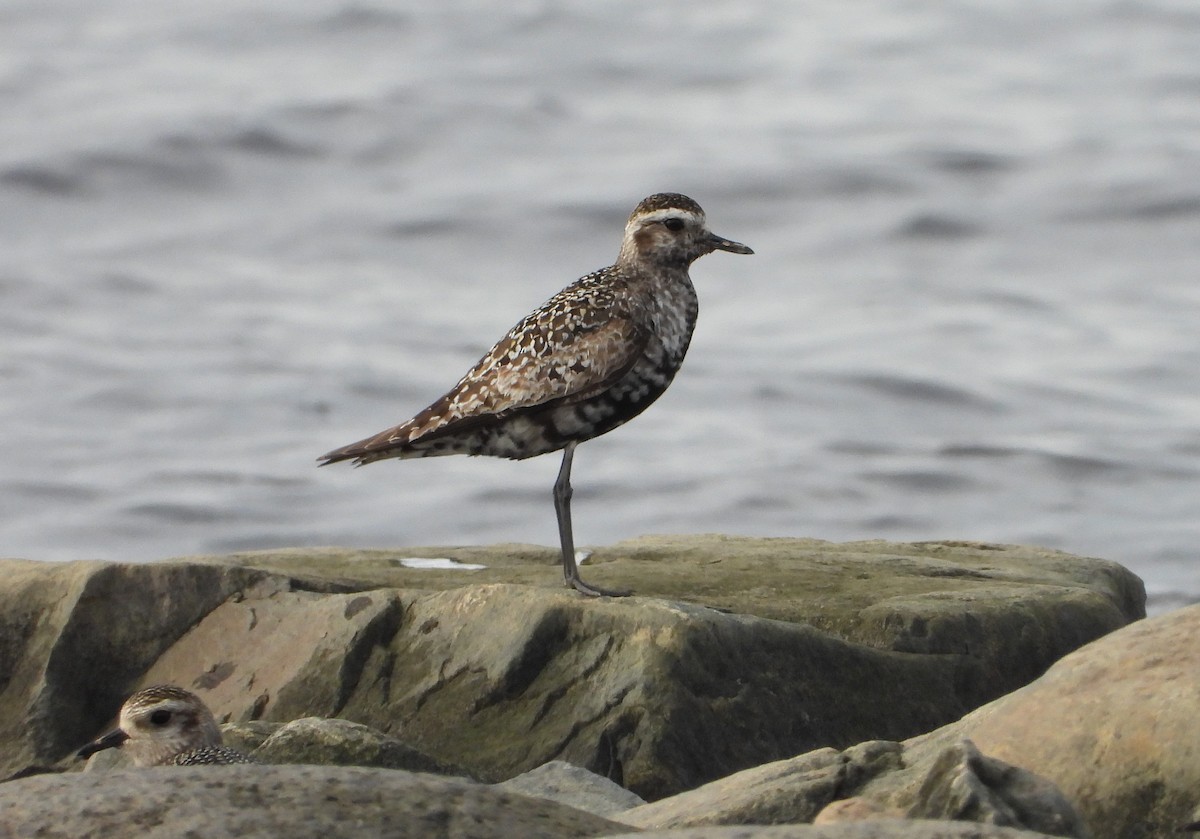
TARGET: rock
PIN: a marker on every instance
(288, 655)
(69, 652)
(960, 784)
(266, 802)
(856, 810)
(249, 735)
(785, 791)
(1010, 610)
(880, 829)
(965, 785)
(576, 787)
(658, 696)
(781, 792)
(1049, 602)
(1112, 725)
(314, 740)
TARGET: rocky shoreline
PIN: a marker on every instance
(878, 689)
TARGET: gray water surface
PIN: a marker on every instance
(234, 236)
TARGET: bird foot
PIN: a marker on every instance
(595, 591)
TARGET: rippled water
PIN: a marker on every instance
(237, 235)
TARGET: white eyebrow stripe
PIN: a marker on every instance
(660, 215)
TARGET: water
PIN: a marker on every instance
(234, 236)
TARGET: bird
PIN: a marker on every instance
(165, 725)
(590, 359)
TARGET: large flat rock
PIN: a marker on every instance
(858, 590)
(736, 651)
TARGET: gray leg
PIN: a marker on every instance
(562, 508)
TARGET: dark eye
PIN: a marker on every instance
(160, 717)
(675, 224)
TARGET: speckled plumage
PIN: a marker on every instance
(211, 756)
(594, 356)
(165, 725)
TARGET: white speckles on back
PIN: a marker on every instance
(211, 756)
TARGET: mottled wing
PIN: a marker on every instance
(551, 355)
(572, 348)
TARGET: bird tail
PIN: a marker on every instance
(408, 439)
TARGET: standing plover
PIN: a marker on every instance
(165, 725)
(593, 357)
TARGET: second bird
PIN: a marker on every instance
(592, 358)
(165, 725)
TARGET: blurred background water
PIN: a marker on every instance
(236, 235)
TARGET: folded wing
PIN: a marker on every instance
(566, 352)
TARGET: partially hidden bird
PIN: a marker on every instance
(165, 725)
(593, 357)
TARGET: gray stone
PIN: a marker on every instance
(957, 783)
(785, 791)
(266, 802)
(965, 785)
(249, 735)
(1112, 725)
(880, 829)
(574, 786)
(314, 740)
(657, 696)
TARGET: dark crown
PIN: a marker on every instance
(667, 201)
(158, 693)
